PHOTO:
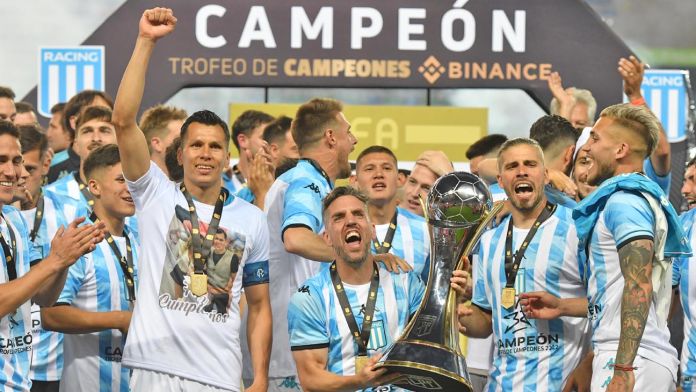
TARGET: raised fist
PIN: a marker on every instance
(157, 23)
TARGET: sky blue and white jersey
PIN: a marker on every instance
(684, 277)
(532, 355)
(47, 351)
(294, 200)
(626, 217)
(315, 318)
(232, 183)
(411, 241)
(95, 283)
(663, 181)
(15, 328)
(497, 192)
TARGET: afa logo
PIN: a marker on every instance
(66, 71)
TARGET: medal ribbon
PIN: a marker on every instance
(511, 266)
(9, 252)
(361, 337)
(38, 217)
(201, 247)
(85, 192)
(386, 245)
(126, 263)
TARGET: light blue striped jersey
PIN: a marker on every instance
(232, 183)
(15, 328)
(315, 318)
(95, 283)
(497, 192)
(684, 277)
(663, 181)
(411, 241)
(59, 157)
(47, 353)
(246, 194)
(625, 217)
(532, 355)
(294, 200)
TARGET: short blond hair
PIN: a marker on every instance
(312, 119)
(154, 121)
(637, 119)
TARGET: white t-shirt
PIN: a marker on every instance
(173, 331)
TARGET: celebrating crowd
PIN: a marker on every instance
(136, 258)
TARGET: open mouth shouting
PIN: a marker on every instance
(353, 239)
(204, 169)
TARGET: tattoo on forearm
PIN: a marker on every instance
(636, 266)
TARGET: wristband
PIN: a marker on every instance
(624, 368)
(638, 102)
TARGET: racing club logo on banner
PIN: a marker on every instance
(65, 71)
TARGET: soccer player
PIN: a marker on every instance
(534, 248)
(174, 341)
(43, 220)
(293, 207)
(247, 136)
(377, 304)
(94, 129)
(397, 230)
(94, 308)
(683, 281)
(18, 282)
(161, 125)
(627, 228)
(429, 166)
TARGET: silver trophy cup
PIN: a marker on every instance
(427, 354)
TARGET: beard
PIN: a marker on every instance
(527, 205)
(357, 260)
(604, 172)
(344, 171)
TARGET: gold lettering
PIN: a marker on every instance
(272, 67)
(405, 67)
(496, 72)
(362, 68)
(321, 67)
(350, 68)
(337, 66)
(387, 129)
(226, 68)
(479, 70)
(513, 71)
(379, 68)
(455, 70)
(289, 67)
(303, 68)
(526, 71)
(174, 61)
(544, 71)
(187, 66)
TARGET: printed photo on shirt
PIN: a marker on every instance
(221, 267)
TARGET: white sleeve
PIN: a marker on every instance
(148, 188)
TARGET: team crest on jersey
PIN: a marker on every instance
(378, 336)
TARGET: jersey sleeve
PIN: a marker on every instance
(302, 206)
(73, 282)
(628, 217)
(246, 194)
(662, 181)
(256, 265)
(479, 297)
(676, 272)
(416, 291)
(148, 188)
(307, 326)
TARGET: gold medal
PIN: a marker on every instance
(508, 297)
(360, 363)
(199, 284)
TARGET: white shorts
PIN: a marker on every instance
(650, 376)
(149, 381)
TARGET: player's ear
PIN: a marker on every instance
(93, 187)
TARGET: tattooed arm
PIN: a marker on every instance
(636, 266)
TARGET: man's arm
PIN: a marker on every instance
(632, 71)
(546, 306)
(302, 241)
(636, 259)
(69, 319)
(44, 280)
(311, 368)
(566, 99)
(154, 24)
(259, 327)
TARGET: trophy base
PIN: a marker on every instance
(426, 367)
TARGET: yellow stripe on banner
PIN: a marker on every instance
(441, 134)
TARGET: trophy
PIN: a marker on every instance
(427, 354)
